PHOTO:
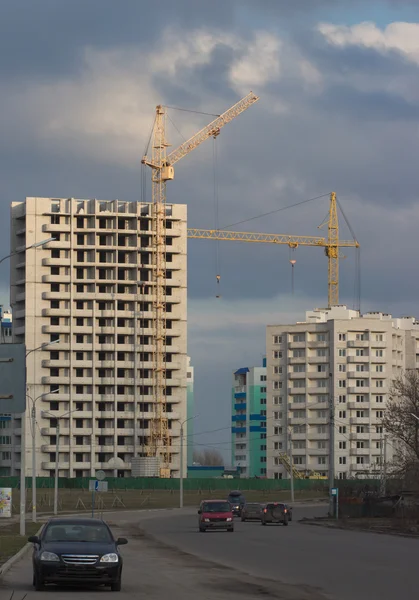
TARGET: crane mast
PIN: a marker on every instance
(162, 171)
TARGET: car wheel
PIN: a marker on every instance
(230, 529)
(243, 519)
(202, 529)
(116, 585)
(263, 523)
(38, 583)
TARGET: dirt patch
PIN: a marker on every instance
(11, 541)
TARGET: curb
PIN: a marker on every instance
(360, 529)
(16, 557)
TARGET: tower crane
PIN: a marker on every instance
(162, 170)
(331, 244)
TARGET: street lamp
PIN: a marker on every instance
(35, 245)
(181, 460)
(42, 346)
(33, 415)
(23, 415)
(57, 450)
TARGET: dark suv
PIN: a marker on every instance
(237, 501)
(275, 512)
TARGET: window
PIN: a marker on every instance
(277, 446)
(298, 337)
(379, 337)
(321, 445)
(300, 383)
(321, 337)
(262, 389)
(342, 399)
(359, 352)
(360, 429)
(360, 444)
(321, 460)
(277, 385)
(299, 399)
(342, 368)
(277, 430)
(278, 370)
(263, 377)
(359, 460)
(379, 368)
(379, 383)
(360, 398)
(297, 369)
(342, 352)
(277, 354)
(277, 415)
(342, 383)
(298, 353)
(321, 429)
(361, 368)
(299, 460)
(299, 444)
(379, 414)
(322, 383)
(342, 414)
(379, 398)
(299, 414)
(379, 429)
(263, 447)
(360, 383)
(322, 398)
(342, 337)
(342, 428)
(342, 445)
(321, 414)
(361, 337)
(277, 400)
(321, 352)
(379, 353)
(277, 339)
(342, 460)
(263, 459)
(360, 414)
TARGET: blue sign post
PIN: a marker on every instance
(335, 496)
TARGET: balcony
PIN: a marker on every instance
(358, 344)
(317, 375)
(58, 228)
(359, 451)
(317, 344)
(358, 390)
(297, 420)
(318, 451)
(359, 420)
(295, 390)
(354, 437)
(358, 374)
(318, 360)
(296, 345)
(359, 405)
(318, 420)
(297, 375)
(296, 360)
(317, 390)
(380, 345)
(297, 405)
(316, 436)
(358, 359)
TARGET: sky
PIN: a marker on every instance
(338, 111)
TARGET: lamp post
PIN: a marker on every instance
(23, 415)
(33, 415)
(181, 460)
(57, 453)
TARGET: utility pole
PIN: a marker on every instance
(331, 445)
(57, 450)
(181, 468)
(292, 466)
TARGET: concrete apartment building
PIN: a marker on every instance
(190, 411)
(334, 354)
(248, 429)
(89, 295)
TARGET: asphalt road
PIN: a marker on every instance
(344, 565)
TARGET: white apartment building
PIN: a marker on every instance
(335, 354)
(89, 294)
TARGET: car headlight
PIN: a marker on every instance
(229, 519)
(206, 520)
(49, 557)
(110, 558)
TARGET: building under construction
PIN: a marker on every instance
(87, 302)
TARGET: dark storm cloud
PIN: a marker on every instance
(46, 38)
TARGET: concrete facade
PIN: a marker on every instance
(334, 354)
(249, 421)
(91, 289)
(6, 337)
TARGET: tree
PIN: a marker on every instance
(401, 420)
(208, 457)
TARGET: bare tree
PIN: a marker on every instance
(401, 420)
(208, 457)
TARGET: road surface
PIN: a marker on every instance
(344, 565)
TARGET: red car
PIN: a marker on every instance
(215, 514)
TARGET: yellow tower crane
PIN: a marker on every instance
(331, 244)
(162, 170)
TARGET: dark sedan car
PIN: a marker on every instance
(77, 551)
(251, 511)
(275, 512)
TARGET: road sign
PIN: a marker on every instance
(334, 491)
(98, 486)
(100, 475)
(12, 378)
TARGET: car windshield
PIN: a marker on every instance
(77, 532)
(216, 507)
(275, 505)
(235, 500)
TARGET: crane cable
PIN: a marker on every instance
(216, 217)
